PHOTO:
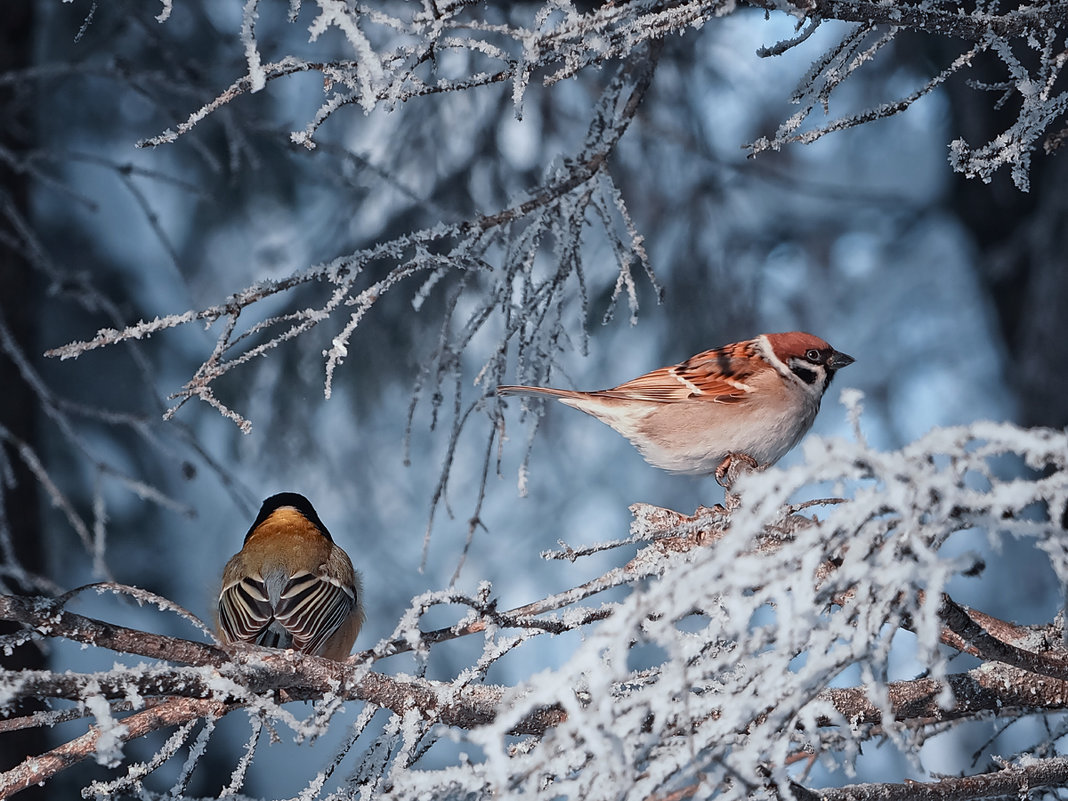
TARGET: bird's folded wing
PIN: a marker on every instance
(312, 608)
(245, 610)
(713, 374)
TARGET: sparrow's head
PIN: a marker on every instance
(806, 359)
(284, 504)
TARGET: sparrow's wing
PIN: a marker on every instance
(717, 375)
(245, 610)
(312, 607)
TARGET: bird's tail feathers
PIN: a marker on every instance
(535, 391)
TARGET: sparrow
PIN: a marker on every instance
(752, 400)
(290, 586)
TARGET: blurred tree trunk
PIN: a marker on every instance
(18, 406)
(1023, 241)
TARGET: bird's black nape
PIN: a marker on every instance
(298, 502)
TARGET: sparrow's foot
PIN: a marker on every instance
(733, 466)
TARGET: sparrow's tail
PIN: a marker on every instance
(553, 393)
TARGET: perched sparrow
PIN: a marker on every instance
(290, 586)
(752, 399)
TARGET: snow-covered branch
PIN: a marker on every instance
(972, 23)
(1027, 777)
(719, 671)
(555, 42)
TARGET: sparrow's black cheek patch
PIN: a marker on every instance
(806, 375)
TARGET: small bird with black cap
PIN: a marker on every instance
(290, 585)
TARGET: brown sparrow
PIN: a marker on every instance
(752, 400)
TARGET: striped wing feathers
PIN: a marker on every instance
(309, 610)
(718, 375)
(245, 611)
(312, 608)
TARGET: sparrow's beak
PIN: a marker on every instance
(837, 360)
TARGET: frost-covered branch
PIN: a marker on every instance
(718, 672)
(1010, 780)
(461, 247)
(552, 36)
(921, 702)
(505, 295)
(170, 712)
(1031, 35)
(401, 64)
(973, 23)
(503, 44)
(246, 674)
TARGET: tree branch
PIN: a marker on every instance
(990, 687)
(1012, 781)
(174, 711)
(1026, 20)
(983, 644)
(253, 671)
(48, 618)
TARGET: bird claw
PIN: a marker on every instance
(733, 466)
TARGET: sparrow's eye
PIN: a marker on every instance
(813, 356)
